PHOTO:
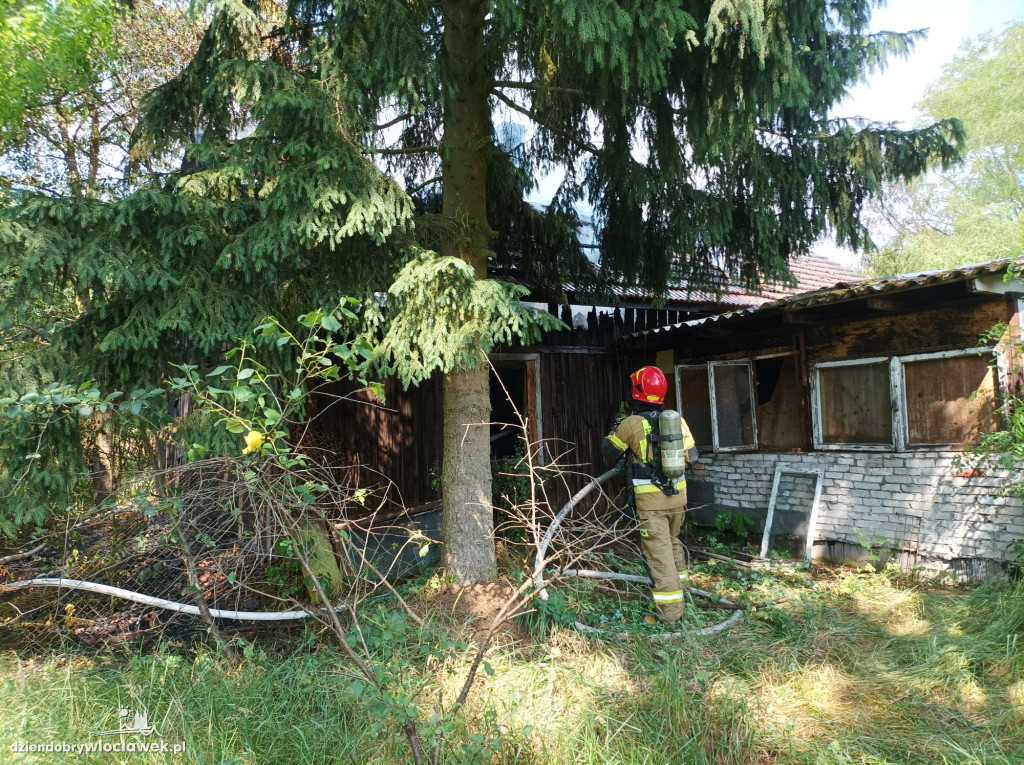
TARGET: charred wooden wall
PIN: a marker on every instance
(580, 396)
(940, 328)
(396, 447)
(393, 448)
(846, 335)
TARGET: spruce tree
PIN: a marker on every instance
(332, 143)
(73, 76)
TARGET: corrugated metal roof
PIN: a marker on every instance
(850, 290)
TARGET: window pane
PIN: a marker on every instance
(696, 404)
(856, 407)
(940, 407)
(734, 410)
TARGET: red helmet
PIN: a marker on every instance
(649, 384)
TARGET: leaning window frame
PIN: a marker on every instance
(898, 397)
(709, 368)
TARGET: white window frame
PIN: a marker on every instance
(709, 367)
(898, 397)
(904, 415)
(817, 427)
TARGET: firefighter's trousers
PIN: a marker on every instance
(659, 540)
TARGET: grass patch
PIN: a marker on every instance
(851, 668)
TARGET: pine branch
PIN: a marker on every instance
(588, 147)
(395, 121)
(532, 86)
(419, 187)
(372, 150)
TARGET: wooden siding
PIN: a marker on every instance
(951, 400)
(941, 328)
(393, 448)
(580, 395)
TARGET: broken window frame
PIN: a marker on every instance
(900, 441)
(752, 414)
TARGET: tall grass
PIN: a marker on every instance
(851, 668)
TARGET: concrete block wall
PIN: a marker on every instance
(913, 502)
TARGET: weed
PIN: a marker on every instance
(737, 522)
(850, 668)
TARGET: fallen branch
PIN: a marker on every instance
(538, 570)
(22, 555)
(707, 631)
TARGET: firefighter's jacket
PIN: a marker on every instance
(633, 435)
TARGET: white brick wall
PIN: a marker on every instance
(914, 500)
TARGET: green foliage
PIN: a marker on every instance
(402, 651)
(285, 573)
(511, 482)
(41, 464)
(1004, 448)
(73, 78)
(241, 406)
(544, 615)
(246, 397)
(873, 544)
(444, 318)
(45, 49)
(764, 171)
(976, 213)
(737, 522)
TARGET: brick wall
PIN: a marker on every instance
(915, 502)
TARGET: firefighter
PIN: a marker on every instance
(660, 498)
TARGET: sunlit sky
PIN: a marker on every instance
(890, 96)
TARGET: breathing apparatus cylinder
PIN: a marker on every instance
(673, 457)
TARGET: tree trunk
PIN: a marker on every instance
(100, 448)
(468, 525)
(103, 478)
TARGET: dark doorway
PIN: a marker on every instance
(508, 396)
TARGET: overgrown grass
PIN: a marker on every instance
(851, 668)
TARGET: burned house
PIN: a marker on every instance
(861, 395)
(569, 388)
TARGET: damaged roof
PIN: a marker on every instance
(843, 291)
